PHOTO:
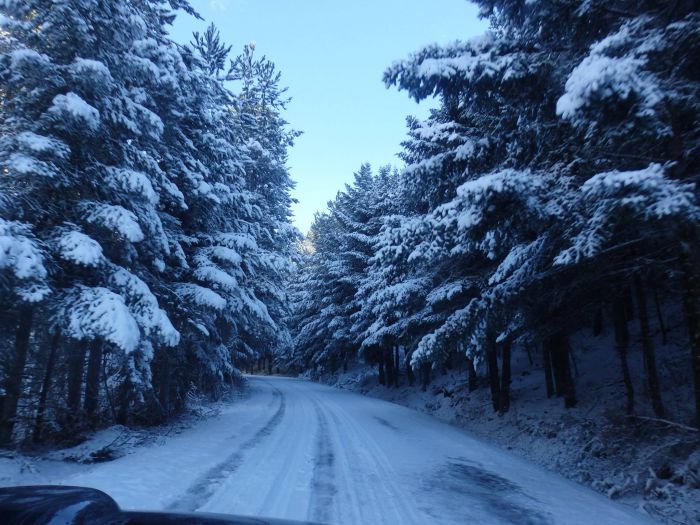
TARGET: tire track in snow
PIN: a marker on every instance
(367, 477)
(323, 486)
(198, 494)
(384, 500)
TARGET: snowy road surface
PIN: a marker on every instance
(300, 450)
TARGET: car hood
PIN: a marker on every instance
(50, 505)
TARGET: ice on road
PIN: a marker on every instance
(299, 450)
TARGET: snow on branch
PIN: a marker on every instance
(647, 194)
(615, 69)
(19, 252)
(73, 107)
(144, 306)
(99, 313)
(79, 248)
(114, 218)
(201, 296)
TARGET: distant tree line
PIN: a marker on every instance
(144, 215)
(553, 189)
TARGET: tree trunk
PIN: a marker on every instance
(164, 387)
(382, 375)
(548, 373)
(471, 373)
(15, 372)
(563, 380)
(570, 400)
(92, 381)
(108, 395)
(76, 367)
(598, 322)
(622, 342)
(691, 303)
(660, 317)
(389, 368)
(45, 387)
(425, 375)
(124, 402)
(648, 349)
(504, 397)
(557, 369)
(409, 369)
(629, 304)
(397, 366)
(492, 362)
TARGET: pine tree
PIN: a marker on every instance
(163, 249)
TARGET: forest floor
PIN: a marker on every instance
(650, 465)
(299, 450)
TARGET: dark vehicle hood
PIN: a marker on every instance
(49, 505)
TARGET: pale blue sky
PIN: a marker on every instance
(332, 54)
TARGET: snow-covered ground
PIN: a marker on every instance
(300, 450)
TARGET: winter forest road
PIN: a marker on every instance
(299, 450)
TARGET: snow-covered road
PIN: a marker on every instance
(300, 450)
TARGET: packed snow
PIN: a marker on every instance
(299, 450)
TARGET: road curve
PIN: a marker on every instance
(330, 456)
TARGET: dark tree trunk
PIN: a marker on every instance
(76, 368)
(492, 362)
(92, 381)
(629, 304)
(660, 317)
(425, 375)
(382, 374)
(548, 373)
(648, 350)
(691, 303)
(557, 369)
(164, 386)
(471, 374)
(15, 372)
(45, 387)
(409, 369)
(622, 342)
(397, 366)
(108, 395)
(504, 397)
(598, 322)
(564, 382)
(389, 367)
(124, 400)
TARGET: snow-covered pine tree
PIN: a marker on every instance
(141, 274)
(628, 98)
(481, 199)
(526, 117)
(341, 241)
(261, 100)
(83, 131)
